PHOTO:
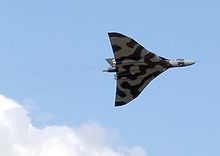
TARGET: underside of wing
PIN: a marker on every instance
(130, 85)
(126, 49)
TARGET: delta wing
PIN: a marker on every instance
(135, 67)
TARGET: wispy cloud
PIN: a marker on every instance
(18, 137)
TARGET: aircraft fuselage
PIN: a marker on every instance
(170, 64)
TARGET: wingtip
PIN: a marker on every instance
(115, 34)
(119, 103)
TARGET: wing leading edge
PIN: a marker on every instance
(135, 67)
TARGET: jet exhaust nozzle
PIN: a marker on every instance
(110, 69)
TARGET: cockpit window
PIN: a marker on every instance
(180, 59)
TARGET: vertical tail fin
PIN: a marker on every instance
(111, 61)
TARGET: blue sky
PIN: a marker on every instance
(52, 56)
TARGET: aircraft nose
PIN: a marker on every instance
(189, 62)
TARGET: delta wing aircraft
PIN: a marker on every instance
(135, 67)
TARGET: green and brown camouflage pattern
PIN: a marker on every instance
(135, 67)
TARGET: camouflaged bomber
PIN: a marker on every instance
(135, 67)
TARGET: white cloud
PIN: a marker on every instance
(18, 137)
